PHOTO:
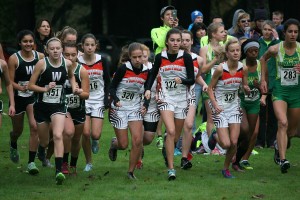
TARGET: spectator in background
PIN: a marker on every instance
(277, 18)
(198, 30)
(196, 17)
(242, 27)
(43, 31)
(204, 40)
(268, 121)
(260, 15)
(236, 15)
(158, 35)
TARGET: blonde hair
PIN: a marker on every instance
(53, 39)
(230, 42)
(213, 28)
(145, 48)
(67, 30)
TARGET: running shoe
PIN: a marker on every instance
(139, 164)
(226, 173)
(41, 153)
(284, 166)
(88, 167)
(131, 176)
(254, 152)
(14, 155)
(32, 169)
(60, 177)
(65, 168)
(276, 153)
(112, 153)
(171, 174)
(159, 142)
(47, 163)
(186, 164)
(95, 146)
(237, 168)
(245, 165)
(73, 171)
(177, 152)
(212, 140)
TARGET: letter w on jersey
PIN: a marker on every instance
(56, 76)
(29, 69)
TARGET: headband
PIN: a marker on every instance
(250, 44)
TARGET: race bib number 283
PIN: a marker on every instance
(288, 77)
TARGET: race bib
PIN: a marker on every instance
(127, 96)
(94, 85)
(171, 86)
(26, 93)
(288, 77)
(54, 95)
(228, 97)
(253, 95)
(73, 101)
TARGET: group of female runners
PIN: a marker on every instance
(66, 92)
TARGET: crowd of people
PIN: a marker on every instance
(247, 77)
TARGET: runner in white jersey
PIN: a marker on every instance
(176, 73)
(127, 111)
(4, 75)
(98, 100)
(187, 41)
(225, 103)
(152, 116)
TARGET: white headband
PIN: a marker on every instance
(250, 44)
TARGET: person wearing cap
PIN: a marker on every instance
(158, 35)
(196, 17)
(250, 105)
(260, 15)
(242, 27)
(236, 15)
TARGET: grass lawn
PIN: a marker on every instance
(108, 179)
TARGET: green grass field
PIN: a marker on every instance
(108, 179)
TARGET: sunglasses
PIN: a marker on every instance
(244, 20)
